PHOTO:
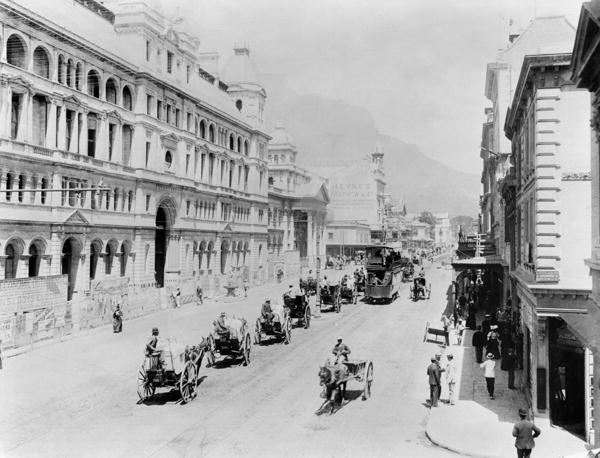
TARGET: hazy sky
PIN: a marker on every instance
(418, 66)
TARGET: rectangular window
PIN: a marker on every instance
(15, 115)
(147, 202)
(169, 62)
(149, 105)
(40, 120)
(69, 129)
(330, 235)
(188, 204)
(177, 117)
(187, 163)
(168, 113)
(187, 74)
(159, 109)
(147, 153)
(188, 124)
(111, 140)
(147, 50)
(127, 139)
(91, 137)
(246, 172)
(202, 159)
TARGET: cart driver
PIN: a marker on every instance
(152, 344)
(220, 325)
(267, 312)
(341, 350)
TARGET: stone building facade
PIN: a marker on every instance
(551, 198)
(126, 169)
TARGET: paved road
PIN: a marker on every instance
(78, 398)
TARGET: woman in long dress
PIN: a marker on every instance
(117, 319)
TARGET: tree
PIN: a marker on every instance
(427, 217)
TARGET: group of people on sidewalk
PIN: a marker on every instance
(434, 372)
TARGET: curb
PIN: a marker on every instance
(453, 449)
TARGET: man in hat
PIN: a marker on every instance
(267, 312)
(524, 432)
(438, 361)
(478, 342)
(451, 378)
(433, 372)
(493, 342)
(489, 373)
(341, 350)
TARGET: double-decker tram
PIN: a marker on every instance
(384, 265)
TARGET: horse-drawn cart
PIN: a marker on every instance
(279, 327)
(330, 298)
(420, 289)
(298, 309)
(172, 365)
(309, 286)
(235, 342)
(349, 293)
(334, 377)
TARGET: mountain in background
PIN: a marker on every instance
(332, 132)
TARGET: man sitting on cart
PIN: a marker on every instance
(341, 350)
(267, 312)
(152, 344)
(220, 325)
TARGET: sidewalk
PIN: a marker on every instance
(481, 427)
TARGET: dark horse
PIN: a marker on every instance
(334, 380)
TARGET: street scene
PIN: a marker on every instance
(310, 228)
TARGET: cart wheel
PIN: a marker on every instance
(145, 388)
(257, 333)
(210, 360)
(247, 351)
(287, 337)
(368, 381)
(187, 382)
(307, 318)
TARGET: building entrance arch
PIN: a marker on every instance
(71, 252)
(160, 245)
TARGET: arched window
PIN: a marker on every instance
(12, 261)
(34, 260)
(129, 201)
(202, 129)
(93, 83)
(239, 144)
(168, 159)
(123, 258)
(127, 99)
(111, 91)
(211, 133)
(61, 69)
(95, 249)
(231, 142)
(41, 62)
(15, 51)
(108, 259)
(70, 73)
(246, 148)
(209, 252)
(78, 76)
(238, 104)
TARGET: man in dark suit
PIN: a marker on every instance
(478, 342)
(524, 432)
(433, 371)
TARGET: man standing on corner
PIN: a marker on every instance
(433, 371)
(451, 378)
(524, 432)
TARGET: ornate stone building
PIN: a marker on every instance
(126, 168)
(298, 202)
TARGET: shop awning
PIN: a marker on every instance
(479, 262)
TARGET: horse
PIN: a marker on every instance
(334, 379)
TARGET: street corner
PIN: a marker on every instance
(469, 429)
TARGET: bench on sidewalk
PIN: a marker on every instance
(434, 332)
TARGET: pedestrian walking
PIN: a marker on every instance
(245, 287)
(489, 373)
(460, 330)
(117, 320)
(433, 372)
(451, 378)
(199, 295)
(524, 432)
(478, 342)
(493, 342)
(511, 364)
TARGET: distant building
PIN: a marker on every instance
(298, 202)
(357, 193)
(442, 231)
(347, 237)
